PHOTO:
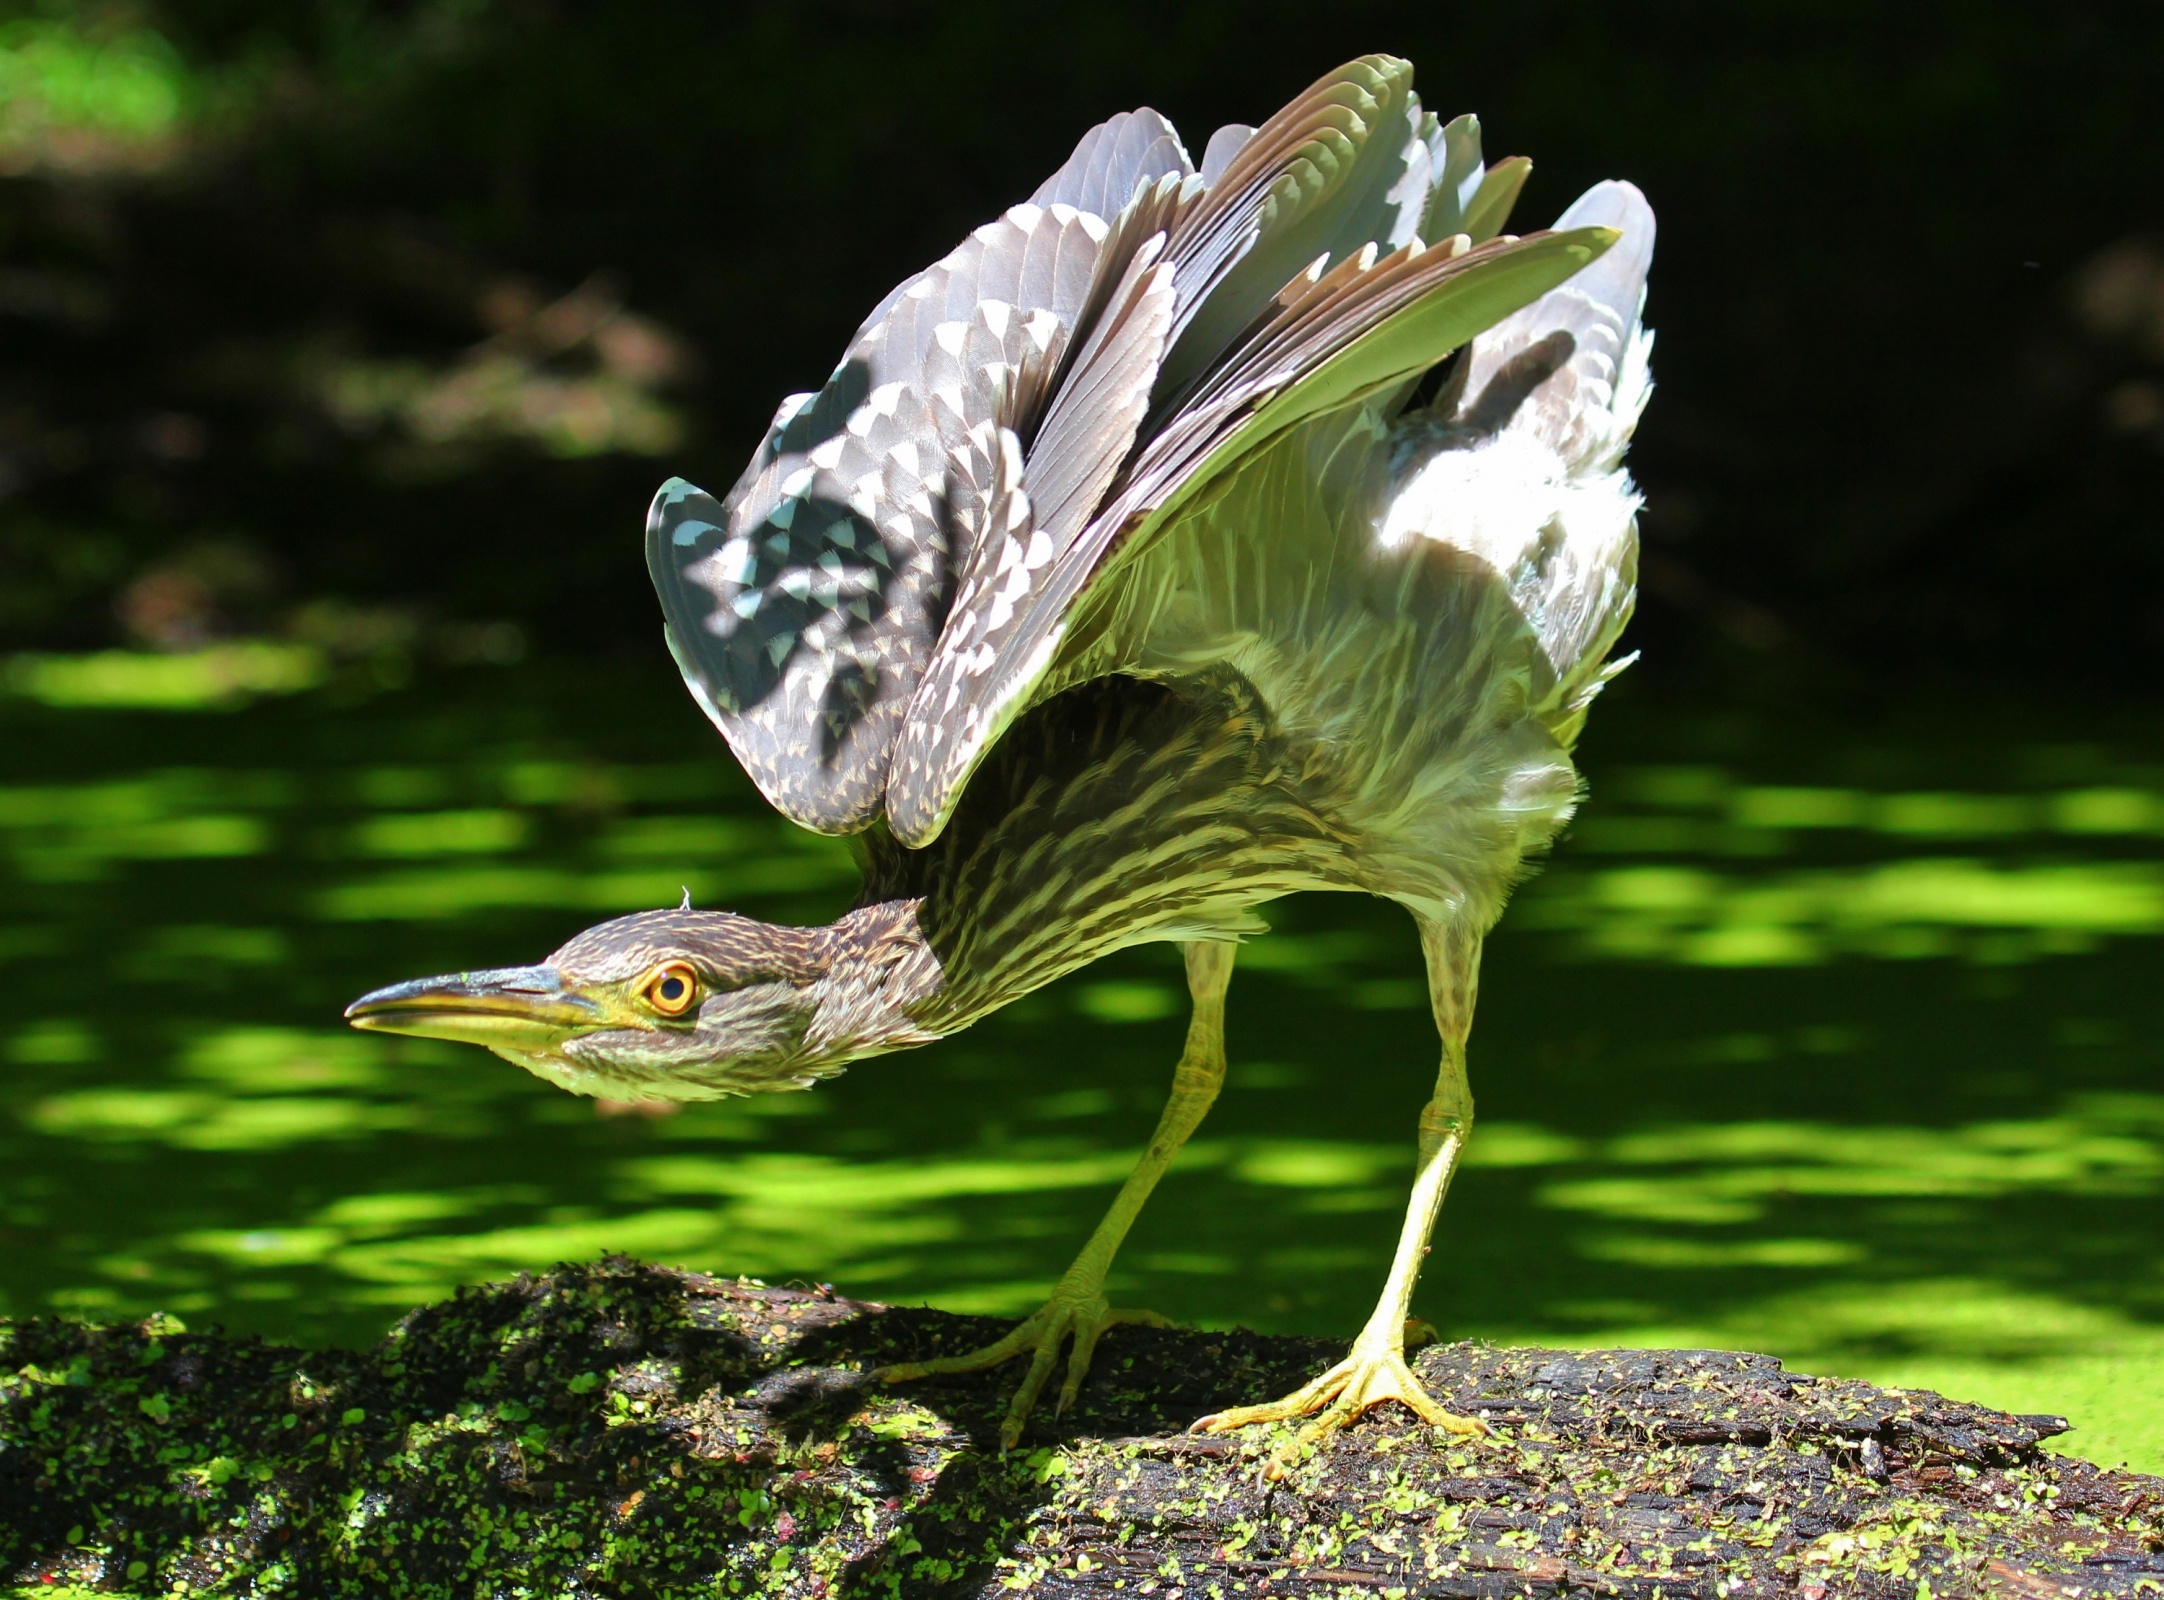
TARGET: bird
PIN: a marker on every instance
(1194, 534)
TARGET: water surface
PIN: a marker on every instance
(1834, 1041)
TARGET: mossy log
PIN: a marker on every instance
(622, 1430)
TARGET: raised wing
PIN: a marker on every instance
(802, 609)
(1332, 171)
(1414, 573)
(891, 579)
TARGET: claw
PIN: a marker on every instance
(1362, 1381)
(1061, 1320)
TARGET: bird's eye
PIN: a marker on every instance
(672, 989)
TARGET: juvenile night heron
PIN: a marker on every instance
(1144, 561)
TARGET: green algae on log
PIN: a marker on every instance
(624, 1430)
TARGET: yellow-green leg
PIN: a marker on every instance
(1375, 1370)
(1078, 1312)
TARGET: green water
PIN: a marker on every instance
(1839, 1042)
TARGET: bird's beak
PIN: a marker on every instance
(511, 1008)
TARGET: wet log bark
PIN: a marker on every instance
(623, 1430)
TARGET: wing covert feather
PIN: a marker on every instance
(1224, 144)
(1324, 176)
(1112, 159)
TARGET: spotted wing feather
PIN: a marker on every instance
(1085, 438)
(802, 610)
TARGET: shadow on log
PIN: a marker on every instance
(624, 1430)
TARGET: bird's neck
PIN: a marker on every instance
(878, 975)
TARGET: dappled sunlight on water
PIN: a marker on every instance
(1841, 1045)
(1892, 875)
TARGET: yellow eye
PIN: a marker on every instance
(673, 989)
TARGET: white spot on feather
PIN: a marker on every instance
(735, 562)
(1042, 327)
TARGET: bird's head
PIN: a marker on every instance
(668, 1005)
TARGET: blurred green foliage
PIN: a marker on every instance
(67, 90)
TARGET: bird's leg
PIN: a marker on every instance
(1375, 1370)
(1077, 1310)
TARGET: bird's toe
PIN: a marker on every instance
(1355, 1386)
(1063, 1322)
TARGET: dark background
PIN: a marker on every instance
(387, 340)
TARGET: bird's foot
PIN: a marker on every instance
(1080, 1317)
(1364, 1379)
